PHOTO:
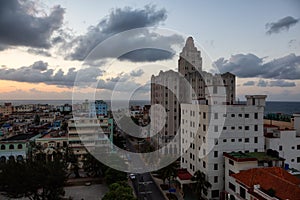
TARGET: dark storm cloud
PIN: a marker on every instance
(39, 72)
(120, 20)
(147, 55)
(249, 83)
(282, 24)
(249, 65)
(18, 27)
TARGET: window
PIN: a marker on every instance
(293, 147)
(233, 127)
(216, 128)
(246, 128)
(280, 148)
(216, 165)
(215, 193)
(204, 164)
(298, 147)
(215, 179)
(240, 115)
(2, 147)
(224, 127)
(204, 115)
(240, 140)
(255, 115)
(246, 115)
(20, 146)
(255, 139)
(204, 127)
(242, 192)
(11, 146)
(230, 172)
(298, 159)
(224, 140)
(216, 116)
(232, 140)
(215, 154)
(232, 115)
(216, 141)
(246, 140)
(231, 162)
(232, 187)
(240, 127)
(215, 89)
(255, 127)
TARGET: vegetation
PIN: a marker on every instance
(119, 191)
(201, 185)
(113, 176)
(93, 167)
(169, 172)
(36, 180)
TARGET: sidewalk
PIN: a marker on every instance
(158, 182)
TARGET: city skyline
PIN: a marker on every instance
(256, 41)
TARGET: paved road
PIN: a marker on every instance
(144, 185)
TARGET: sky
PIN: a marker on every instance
(47, 47)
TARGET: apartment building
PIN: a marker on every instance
(209, 128)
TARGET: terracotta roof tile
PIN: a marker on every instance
(286, 186)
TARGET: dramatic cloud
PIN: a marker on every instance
(137, 73)
(38, 72)
(19, 26)
(281, 83)
(39, 52)
(276, 83)
(147, 55)
(249, 83)
(249, 65)
(282, 24)
(120, 20)
(262, 83)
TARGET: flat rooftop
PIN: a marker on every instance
(20, 137)
(251, 156)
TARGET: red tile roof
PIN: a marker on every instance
(286, 186)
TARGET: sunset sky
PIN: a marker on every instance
(45, 45)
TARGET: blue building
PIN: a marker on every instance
(101, 108)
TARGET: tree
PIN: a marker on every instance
(200, 185)
(113, 176)
(119, 191)
(35, 180)
(73, 160)
(169, 172)
(92, 166)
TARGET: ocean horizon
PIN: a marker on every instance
(285, 107)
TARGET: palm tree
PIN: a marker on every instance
(169, 172)
(200, 183)
(92, 166)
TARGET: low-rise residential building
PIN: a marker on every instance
(16, 147)
(235, 162)
(271, 183)
(285, 141)
(6, 109)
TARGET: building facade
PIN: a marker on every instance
(207, 131)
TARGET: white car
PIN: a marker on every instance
(132, 176)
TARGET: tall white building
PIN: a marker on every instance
(169, 89)
(210, 128)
